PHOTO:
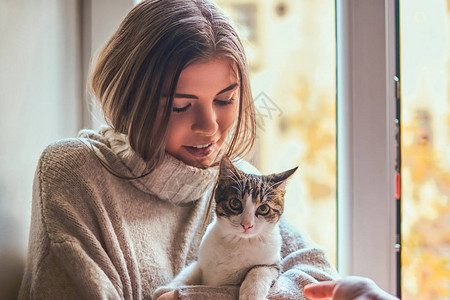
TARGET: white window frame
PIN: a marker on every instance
(366, 98)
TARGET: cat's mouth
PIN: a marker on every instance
(200, 150)
(247, 234)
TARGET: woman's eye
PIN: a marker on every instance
(263, 209)
(235, 204)
(180, 109)
(224, 102)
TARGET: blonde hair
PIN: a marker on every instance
(143, 60)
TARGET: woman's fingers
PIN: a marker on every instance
(173, 295)
(321, 290)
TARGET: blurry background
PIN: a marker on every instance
(425, 81)
(45, 49)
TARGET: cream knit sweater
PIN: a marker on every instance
(96, 236)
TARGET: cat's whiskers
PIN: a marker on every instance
(270, 188)
(236, 188)
(267, 187)
(235, 178)
(270, 193)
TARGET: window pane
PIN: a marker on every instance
(291, 49)
(425, 68)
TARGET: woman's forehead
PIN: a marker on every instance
(207, 77)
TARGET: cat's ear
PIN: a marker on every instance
(279, 180)
(227, 170)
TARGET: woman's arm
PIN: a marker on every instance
(66, 255)
(301, 264)
(200, 292)
(172, 295)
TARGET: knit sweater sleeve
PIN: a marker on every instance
(302, 263)
(66, 259)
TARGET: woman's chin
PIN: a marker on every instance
(199, 162)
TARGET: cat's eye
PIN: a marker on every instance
(263, 209)
(235, 204)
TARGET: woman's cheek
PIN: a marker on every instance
(175, 130)
(234, 113)
(229, 118)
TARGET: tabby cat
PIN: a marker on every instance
(242, 245)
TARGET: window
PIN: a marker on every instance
(425, 70)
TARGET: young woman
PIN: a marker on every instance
(119, 212)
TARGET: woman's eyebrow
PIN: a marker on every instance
(190, 96)
(228, 88)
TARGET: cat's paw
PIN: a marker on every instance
(252, 294)
(257, 283)
(253, 289)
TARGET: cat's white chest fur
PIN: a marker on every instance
(225, 259)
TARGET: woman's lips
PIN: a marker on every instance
(200, 152)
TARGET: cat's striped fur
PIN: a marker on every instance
(267, 190)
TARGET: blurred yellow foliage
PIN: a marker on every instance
(426, 215)
(314, 125)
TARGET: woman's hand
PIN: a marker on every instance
(173, 295)
(349, 288)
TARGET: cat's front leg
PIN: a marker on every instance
(257, 282)
(190, 275)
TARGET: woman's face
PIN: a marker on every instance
(204, 109)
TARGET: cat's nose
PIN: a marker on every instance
(246, 226)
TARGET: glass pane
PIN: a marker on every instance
(425, 68)
(291, 49)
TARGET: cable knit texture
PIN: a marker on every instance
(96, 236)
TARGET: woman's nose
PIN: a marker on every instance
(205, 121)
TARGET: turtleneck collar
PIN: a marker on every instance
(172, 180)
